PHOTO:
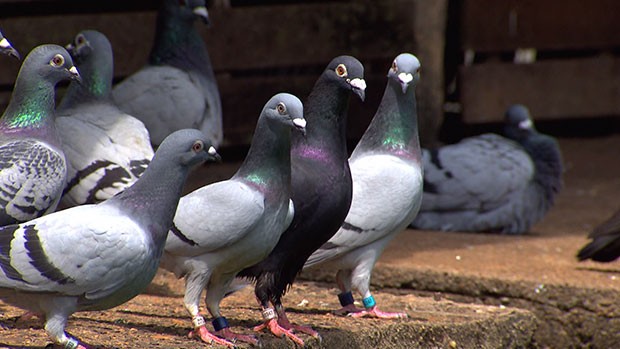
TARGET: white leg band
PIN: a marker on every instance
(198, 321)
(269, 314)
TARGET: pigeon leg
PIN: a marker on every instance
(271, 323)
(343, 279)
(360, 280)
(218, 286)
(284, 322)
(55, 327)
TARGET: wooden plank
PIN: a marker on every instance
(491, 25)
(551, 89)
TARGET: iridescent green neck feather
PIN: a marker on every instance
(31, 105)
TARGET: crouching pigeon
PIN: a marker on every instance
(106, 149)
(321, 191)
(177, 89)
(32, 163)
(491, 183)
(95, 257)
(6, 47)
(387, 190)
(221, 228)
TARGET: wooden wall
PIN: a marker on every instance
(257, 50)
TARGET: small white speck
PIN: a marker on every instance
(458, 258)
(303, 303)
(613, 277)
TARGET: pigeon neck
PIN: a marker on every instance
(153, 199)
(177, 43)
(31, 106)
(545, 154)
(96, 85)
(393, 129)
(326, 114)
(268, 162)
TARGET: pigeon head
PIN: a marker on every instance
(287, 109)
(349, 73)
(188, 10)
(52, 63)
(92, 53)
(7, 49)
(405, 70)
(518, 122)
(189, 146)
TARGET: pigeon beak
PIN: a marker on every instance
(405, 79)
(213, 155)
(526, 124)
(359, 87)
(75, 75)
(300, 124)
(202, 12)
(6, 48)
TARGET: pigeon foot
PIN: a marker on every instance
(209, 337)
(278, 331)
(348, 309)
(231, 336)
(374, 312)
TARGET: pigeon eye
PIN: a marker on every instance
(394, 67)
(341, 70)
(80, 40)
(198, 146)
(57, 61)
(281, 108)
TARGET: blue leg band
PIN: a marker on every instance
(345, 298)
(219, 323)
(369, 302)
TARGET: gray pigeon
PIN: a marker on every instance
(321, 187)
(221, 228)
(106, 149)
(6, 47)
(177, 89)
(490, 183)
(32, 164)
(95, 257)
(387, 190)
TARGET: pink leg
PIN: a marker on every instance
(231, 336)
(278, 331)
(209, 337)
(376, 313)
(284, 322)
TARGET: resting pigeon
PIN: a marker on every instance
(177, 89)
(321, 184)
(106, 149)
(489, 183)
(95, 257)
(6, 48)
(387, 190)
(605, 244)
(32, 164)
(221, 228)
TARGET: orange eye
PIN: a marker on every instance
(80, 39)
(341, 70)
(281, 108)
(394, 67)
(198, 146)
(58, 60)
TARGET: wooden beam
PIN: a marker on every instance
(551, 89)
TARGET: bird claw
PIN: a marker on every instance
(374, 312)
(208, 337)
(279, 331)
(233, 337)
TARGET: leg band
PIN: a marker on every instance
(72, 343)
(198, 321)
(369, 302)
(345, 298)
(219, 323)
(269, 314)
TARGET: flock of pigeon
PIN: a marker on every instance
(298, 200)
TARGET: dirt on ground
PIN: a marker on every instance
(458, 289)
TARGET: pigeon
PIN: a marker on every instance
(177, 89)
(32, 163)
(106, 149)
(321, 185)
(386, 170)
(95, 257)
(490, 183)
(223, 227)
(7, 49)
(605, 244)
